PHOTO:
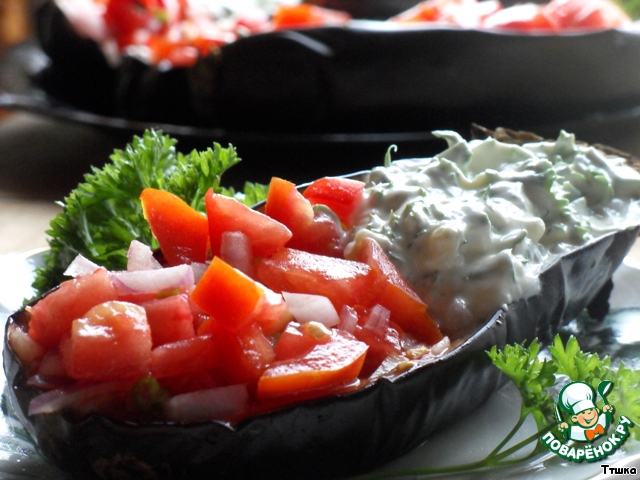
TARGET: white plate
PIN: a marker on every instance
(469, 440)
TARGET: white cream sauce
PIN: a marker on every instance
(472, 227)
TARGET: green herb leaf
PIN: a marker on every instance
(103, 214)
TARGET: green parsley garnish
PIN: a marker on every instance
(103, 214)
(537, 380)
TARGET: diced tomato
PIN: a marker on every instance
(341, 195)
(226, 214)
(429, 11)
(244, 355)
(181, 231)
(312, 231)
(298, 340)
(380, 346)
(124, 17)
(407, 309)
(52, 316)
(331, 364)
(235, 300)
(272, 312)
(170, 319)
(111, 341)
(587, 14)
(460, 13)
(344, 282)
(184, 357)
(306, 15)
(179, 53)
(527, 16)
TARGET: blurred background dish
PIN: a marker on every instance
(356, 91)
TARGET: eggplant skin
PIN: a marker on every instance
(78, 73)
(336, 436)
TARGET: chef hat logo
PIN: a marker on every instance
(577, 397)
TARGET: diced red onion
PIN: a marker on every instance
(80, 266)
(306, 308)
(140, 257)
(61, 398)
(198, 270)
(441, 347)
(206, 405)
(348, 319)
(378, 320)
(236, 250)
(151, 281)
(25, 347)
(52, 364)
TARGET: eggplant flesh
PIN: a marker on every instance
(311, 80)
(325, 438)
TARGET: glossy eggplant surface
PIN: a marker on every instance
(369, 76)
(336, 436)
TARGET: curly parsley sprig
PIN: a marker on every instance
(103, 214)
(537, 380)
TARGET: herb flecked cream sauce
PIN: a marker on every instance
(472, 227)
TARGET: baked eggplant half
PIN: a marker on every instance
(364, 424)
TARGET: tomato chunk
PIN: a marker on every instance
(227, 294)
(586, 14)
(184, 357)
(170, 319)
(227, 214)
(52, 316)
(341, 195)
(527, 16)
(181, 231)
(244, 355)
(298, 340)
(312, 231)
(305, 15)
(331, 364)
(235, 300)
(112, 341)
(344, 282)
(407, 309)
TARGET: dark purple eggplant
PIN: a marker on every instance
(367, 77)
(335, 436)
(78, 72)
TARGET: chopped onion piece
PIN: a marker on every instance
(140, 257)
(235, 249)
(198, 270)
(378, 320)
(206, 405)
(80, 266)
(25, 347)
(150, 281)
(348, 319)
(441, 347)
(307, 308)
(59, 399)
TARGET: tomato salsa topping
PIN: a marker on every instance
(238, 312)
